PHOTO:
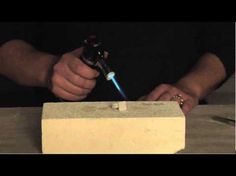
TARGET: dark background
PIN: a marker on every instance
(143, 54)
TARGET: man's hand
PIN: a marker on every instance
(165, 92)
(202, 79)
(72, 79)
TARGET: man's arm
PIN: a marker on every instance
(70, 78)
(25, 65)
(203, 78)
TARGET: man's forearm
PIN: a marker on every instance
(25, 65)
(204, 77)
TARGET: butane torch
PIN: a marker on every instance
(93, 56)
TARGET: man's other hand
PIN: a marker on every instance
(166, 92)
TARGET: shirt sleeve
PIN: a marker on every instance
(219, 39)
(29, 32)
(10, 31)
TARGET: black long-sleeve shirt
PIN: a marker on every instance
(143, 54)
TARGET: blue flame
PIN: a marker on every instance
(118, 87)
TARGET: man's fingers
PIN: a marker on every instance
(167, 92)
(78, 67)
(157, 92)
(72, 79)
(69, 87)
(77, 80)
(187, 106)
(165, 97)
(66, 95)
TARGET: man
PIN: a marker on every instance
(153, 61)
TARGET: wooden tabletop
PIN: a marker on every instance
(209, 129)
